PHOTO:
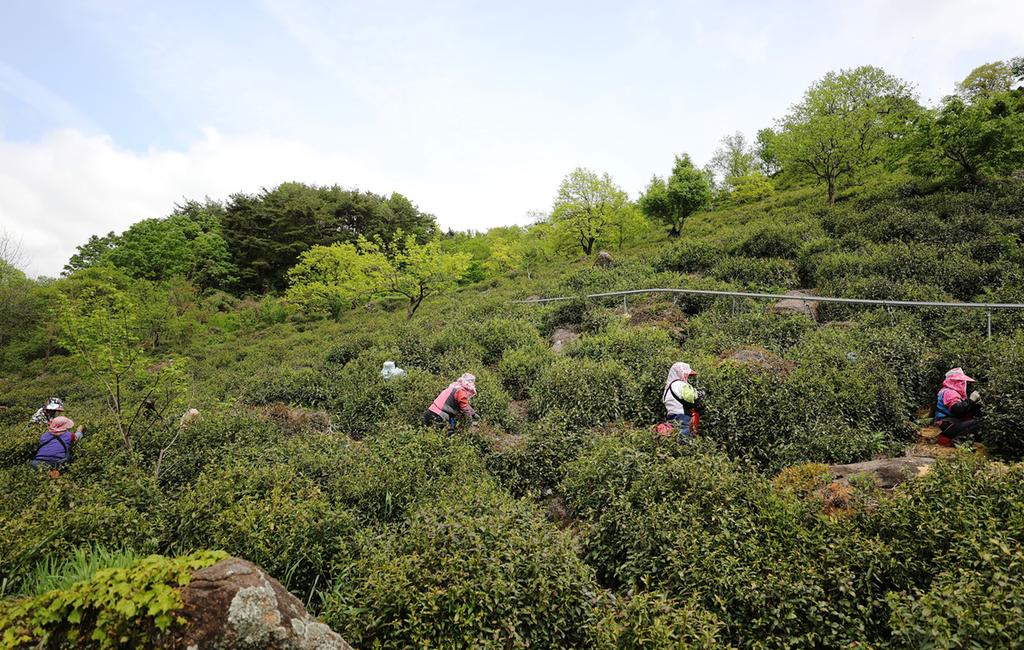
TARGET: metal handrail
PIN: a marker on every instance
(988, 306)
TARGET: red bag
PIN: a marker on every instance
(664, 429)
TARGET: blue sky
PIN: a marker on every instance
(113, 110)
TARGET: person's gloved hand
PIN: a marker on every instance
(975, 397)
(476, 416)
(80, 432)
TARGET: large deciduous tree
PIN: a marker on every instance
(331, 279)
(844, 124)
(971, 141)
(586, 207)
(687, 190)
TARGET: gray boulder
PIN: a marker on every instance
(793, 304)
(235, 604)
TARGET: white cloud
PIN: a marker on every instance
(57, 192)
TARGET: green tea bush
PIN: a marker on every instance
(270, 515)
(579, 314)
(520, 367)
(689, 256)
(538, 463)
(757, 273)
(134, 606)
(397, 470)
(692, 523)
(650, 619)
(773, 241)
(645, 352)
(587, 392)
(473, 569)
(979, 604)
(717, 331)
(499, 335)
(998, 365)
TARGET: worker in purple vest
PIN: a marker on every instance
(54, 449)
(452, 402)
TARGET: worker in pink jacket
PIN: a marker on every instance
(452, 402)
(957, 413)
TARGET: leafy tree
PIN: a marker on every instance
(766, 151)
(971, 140)
(986, 80)
(415, 271)
(267, 232)
(733, 158)
(688, 190)
(102, 323)
(331, 279)
(91, 252)
(187, 243)
(586, 206)
(844, 124)
(751, 188)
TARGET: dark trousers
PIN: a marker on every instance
(436, 421)
(954, 428)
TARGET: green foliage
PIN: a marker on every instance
(587, 392)
(333, 279)
(588, 208)
(971, 140)
(475, 569)
(653, 620)
(843, 124)
(188, 243)
(61, 572)
(520, 367)
(762, 274)
(687, 190)
(267, 232)
(113, 608)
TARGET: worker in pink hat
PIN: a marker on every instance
(957, 413)
(55, 444)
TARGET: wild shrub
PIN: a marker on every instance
(133, 606)
(473, 569)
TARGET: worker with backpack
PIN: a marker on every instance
(54, 451)
(452, 402)
(683, 401)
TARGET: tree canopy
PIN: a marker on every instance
(687, 190)
(587, 206)
(844, 124)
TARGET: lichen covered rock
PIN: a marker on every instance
(234, 604)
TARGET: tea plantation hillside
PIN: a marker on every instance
(561, 521)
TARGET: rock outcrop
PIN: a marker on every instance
(604, 260)
(561, 337)
(234, 604)
(887, 472)
(794, 305)
(759, 359)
